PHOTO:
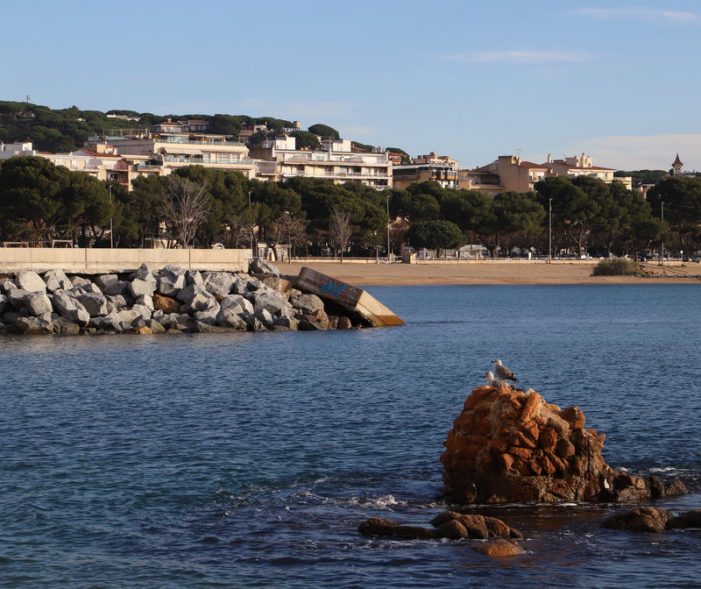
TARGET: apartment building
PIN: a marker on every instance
(97, 159)
(176, 150)
(441, 169)
(279, 159)
(517, 175)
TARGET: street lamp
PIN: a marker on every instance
(109, 190)
(250, 212)
(662, 240)
(388, 225)
(550, 229)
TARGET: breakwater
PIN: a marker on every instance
(172, 299)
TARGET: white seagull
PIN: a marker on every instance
(492, 381)
(504, 371)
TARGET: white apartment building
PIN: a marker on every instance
(176, 150)
(334, 161)
(96, 159)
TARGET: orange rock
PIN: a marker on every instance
(574, 416)
(530, 407)
(548, 439)
(564, 448)
(518, 438)
(143, 330)
(535, 468)
(523, 453)
(499, 548)
(165, 303)
(507, 461)
(483, 427)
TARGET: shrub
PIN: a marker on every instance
(615, 267)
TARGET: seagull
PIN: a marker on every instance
(492, 381)
(504, 371)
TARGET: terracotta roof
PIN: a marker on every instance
(677, 161)
(531, 165)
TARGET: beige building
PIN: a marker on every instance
(279, 159)
(509, 173)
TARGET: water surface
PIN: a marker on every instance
(250, 459)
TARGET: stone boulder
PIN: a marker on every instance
(18, 297)
(307, 304)
(114, 287)
(690, 519)
(166, 303)
(196, 297)
(171, 279)
(380, 526)
(262, 266)
(95, 303)
(640, 519)
(3, 303)
(473, 526)
(30, 326)
(451, 525)
(30, 281)
(139, 287)
(144, 273)
(38, 304)
(218, 283)
(70, 308)
(78, 281)
(511, 446)
(499, 548)
(56, 280)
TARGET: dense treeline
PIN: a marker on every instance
(202, 207)
(67, 129)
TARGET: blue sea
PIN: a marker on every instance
(248, 460)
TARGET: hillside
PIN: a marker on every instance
(67, 129)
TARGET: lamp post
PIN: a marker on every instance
(109, 190)
(550, 229)
(250, 212)
(388, 225)
(662, 240)
(288, 217)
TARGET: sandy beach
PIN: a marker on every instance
(488, 272)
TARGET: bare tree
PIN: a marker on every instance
(290, 230)
(185, 207)
(340, 230)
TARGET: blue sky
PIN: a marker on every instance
(473, 80)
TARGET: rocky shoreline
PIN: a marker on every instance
(510, 446)
(166, 300)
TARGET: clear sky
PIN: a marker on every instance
(470, 79)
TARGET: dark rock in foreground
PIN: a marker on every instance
(453, 526)
(653, 519)
(511, 446)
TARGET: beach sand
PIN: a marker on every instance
(488, 272)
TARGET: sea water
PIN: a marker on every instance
(248, 460)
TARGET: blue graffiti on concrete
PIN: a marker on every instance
(333, 288)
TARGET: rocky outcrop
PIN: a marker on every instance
(653, 519)
(452, 526)
(150, 301)
(447, 524)
(511, 446)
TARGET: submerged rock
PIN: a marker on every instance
(640, 519)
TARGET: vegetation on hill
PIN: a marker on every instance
(63, 130)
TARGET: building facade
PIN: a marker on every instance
(279, 159)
